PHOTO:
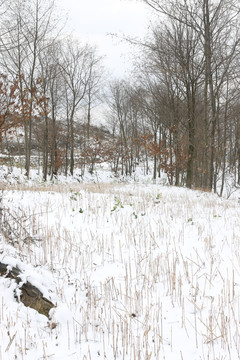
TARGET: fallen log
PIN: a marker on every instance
(30, 295)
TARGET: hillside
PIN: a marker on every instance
(136, 271)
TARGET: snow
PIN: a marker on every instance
(136, 270)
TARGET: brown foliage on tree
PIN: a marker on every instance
(9, 106)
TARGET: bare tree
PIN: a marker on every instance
(124, 115)
(78, 64)
(31, 25)
(95, 87)
(206, 31)
(53, 90)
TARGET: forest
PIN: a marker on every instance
(177, 112)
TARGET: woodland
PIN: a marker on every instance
(177, 112)
(98, 258)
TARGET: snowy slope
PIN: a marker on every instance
(136, 271)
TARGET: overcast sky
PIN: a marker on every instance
(92, 20)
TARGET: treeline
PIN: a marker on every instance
(46, 79)
(180, 107)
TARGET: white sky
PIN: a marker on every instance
(92, 20)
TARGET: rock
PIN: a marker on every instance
(30, 295)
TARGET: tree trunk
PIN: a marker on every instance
(155, 159)
(45, 150)
(71, 147)
(27, 147)
(191, 136)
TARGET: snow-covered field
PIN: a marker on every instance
(136, 271)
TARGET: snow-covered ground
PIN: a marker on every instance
(136, 271)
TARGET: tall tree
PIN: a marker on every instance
(215, 27)
(78, 65)
(28, 26)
